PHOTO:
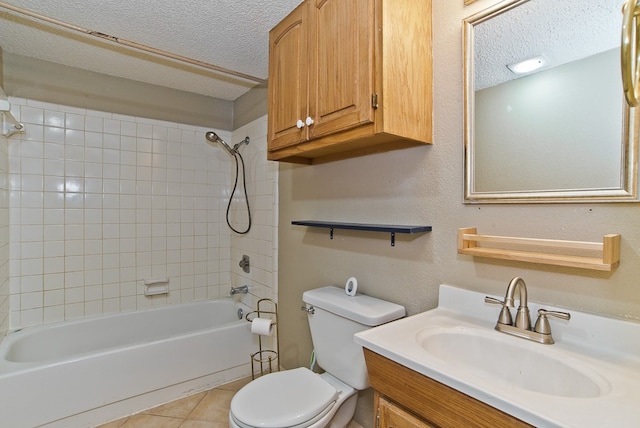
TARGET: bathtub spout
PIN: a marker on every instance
(239, 290)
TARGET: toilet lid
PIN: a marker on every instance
(282, 399)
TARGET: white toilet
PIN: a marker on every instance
(301, 398)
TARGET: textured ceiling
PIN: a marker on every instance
(234, 34)
(561, 30)
(227, 33)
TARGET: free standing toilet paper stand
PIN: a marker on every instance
(265, 360)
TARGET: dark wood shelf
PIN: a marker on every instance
(387, 228)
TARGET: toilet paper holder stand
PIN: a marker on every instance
(265, 360)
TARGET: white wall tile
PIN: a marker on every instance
(32, 115)
(100, 201)
(74, 121)
(54, 118)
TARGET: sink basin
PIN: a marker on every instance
(517, 364)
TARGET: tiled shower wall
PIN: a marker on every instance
(101, 201)
(261, 243)
(4, 235)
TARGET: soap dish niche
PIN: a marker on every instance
(156, 286)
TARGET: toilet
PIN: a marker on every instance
(301, 398)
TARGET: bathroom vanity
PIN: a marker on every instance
(450, 367)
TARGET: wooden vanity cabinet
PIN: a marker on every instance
(404, 398)
(348, 78)
(391, 415)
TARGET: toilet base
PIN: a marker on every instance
(347, 400)
(345, 413)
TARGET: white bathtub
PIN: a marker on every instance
(86, 372)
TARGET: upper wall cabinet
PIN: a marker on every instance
(350, 78)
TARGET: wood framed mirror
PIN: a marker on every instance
(562, 133)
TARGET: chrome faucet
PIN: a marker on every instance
(522, 326)
(239, 290)
(523, 319)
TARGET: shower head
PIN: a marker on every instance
(214, 138)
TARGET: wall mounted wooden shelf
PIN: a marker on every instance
(389, 228)
(606, 253)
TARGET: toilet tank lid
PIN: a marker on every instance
(361, 308)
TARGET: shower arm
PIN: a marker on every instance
(237, 145)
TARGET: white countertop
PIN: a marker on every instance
(607, 349)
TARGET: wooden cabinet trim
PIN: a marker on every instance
(288, 91)
(437, 403)
(341, 65)
(392, 415)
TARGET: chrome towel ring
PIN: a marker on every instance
(630, 56)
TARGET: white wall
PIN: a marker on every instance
(100, 201)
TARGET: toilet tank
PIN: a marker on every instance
(335, 318)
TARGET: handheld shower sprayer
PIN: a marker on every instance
(214, 138)
(235, 152)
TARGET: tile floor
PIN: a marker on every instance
(209, 409)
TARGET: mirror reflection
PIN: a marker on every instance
(545, 119)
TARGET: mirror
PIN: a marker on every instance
(562, 133)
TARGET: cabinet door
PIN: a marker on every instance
(341, 40)
(392, 416)
(287, 90)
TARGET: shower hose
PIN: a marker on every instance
(237, 155)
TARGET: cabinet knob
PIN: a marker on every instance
(309, 121)
(300, 124)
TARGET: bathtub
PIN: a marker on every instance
(86, 372)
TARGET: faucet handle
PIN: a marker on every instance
(493, 300)
(505, 313)
(557, 314)
(542, 325)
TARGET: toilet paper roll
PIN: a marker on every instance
(351, 287)
(262, 326)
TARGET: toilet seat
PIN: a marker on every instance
(290, 398)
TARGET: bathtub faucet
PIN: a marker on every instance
(239, 290)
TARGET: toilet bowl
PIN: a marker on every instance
(296, 398)
(300, 398)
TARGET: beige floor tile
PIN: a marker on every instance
(114, 424)
(190, 423)
(214, 407)
(179, 408)
(235, 385)
(152, 421)
(353, 424)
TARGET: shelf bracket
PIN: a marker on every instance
(393, 239)
(331, 233)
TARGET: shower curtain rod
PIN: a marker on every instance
(132, 44)
(5, 109)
